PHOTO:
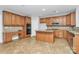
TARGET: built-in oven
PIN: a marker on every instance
(28, 29)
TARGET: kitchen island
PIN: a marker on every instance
(46, 35)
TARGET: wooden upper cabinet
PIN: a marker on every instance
(68, 19)
(13, 19)
(22, 20)
(7, 18)
(18, 20)
(62, 20)
(28, 20)
(43, 20)
(50, 21)
(73, 19)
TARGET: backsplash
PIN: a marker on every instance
(10, 29)
(42, 26)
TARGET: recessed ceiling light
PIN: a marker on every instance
(43, 9)
(56, 11)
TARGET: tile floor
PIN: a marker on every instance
(31, 46)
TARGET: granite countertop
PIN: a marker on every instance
(45, 30)
(52, 30)
(74, 31)
(6, 31)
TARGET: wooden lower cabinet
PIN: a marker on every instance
(45, 36)
(7, 37)
(22, 34)
(76, 43)
(59, 33)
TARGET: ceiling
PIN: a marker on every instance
(36, 10)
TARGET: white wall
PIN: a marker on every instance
(34, 25)
(77, 17)
(1, 27)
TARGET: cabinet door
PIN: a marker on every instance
(7, 18)
(51, 20)
(13, 19)
(65, 34)
(22, 20)
(68, 19)
(76, 43)
(7, 37)
(73, 19)
(17, 20)
(28, 20)
(59, 33)
(64, 20)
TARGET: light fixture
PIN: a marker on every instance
(56, 11)
(43, 9)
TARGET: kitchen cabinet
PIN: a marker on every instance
(65, 34)
(70, 39)
(59, 33)
(7, 18)
(22, 20)
(50, 21)
(7, 37)
(62, 20)
(73, 19)
(68, 19)
(28, 20)
(43, 20)
(76, 43)
(13, 19)
(18, 21)
(22, 34)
